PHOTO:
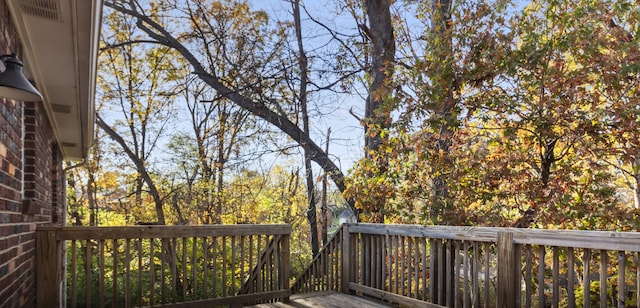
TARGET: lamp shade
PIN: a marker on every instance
(13, 84)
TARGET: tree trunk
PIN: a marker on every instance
(302, 96)
(636, 191)
(324, 210)
(140, 166)
(378, 106)
(444, 116)
(157, 32)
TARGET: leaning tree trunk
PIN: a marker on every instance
(140, 166)
(161, 35)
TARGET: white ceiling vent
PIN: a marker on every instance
(49, 9)
(61, 108)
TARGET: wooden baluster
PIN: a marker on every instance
(114, 286)
(475, 274)
(541, 285)
(487, 278)
(586, 279)
(127, 281)
(140, 254)
(622, 283)
(455, 276)
(423, 245)
(101, 278)
(74, 279)
(233, 265)
(506, 270)
(571, 298)
(528, 276)
(152, 272)
(163, 256)
(603, 279)
(467, 289)
(555, 277)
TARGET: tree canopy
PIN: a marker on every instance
(471, 112)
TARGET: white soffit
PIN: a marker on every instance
(60, 40)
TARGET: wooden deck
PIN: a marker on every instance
(327, 299)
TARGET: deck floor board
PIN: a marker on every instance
(325, 300)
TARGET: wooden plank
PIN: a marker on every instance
(603, 279)
(423, 246)
(391, 297)
(139, 248)
(456, 274)
(101, 279)
(114, 282)
(466, 290)
(586, 278)
(486, 274)
(233, 264)
(346, 259)
(441, 282)
(506, 271)
(224, 267)
(433, 252)
(284, 265)
(555, 272)
(476, 272)
(397, 265)
(184, 268)
(541, 266)
(608, 240)
(163, 257)
(518, 275)
(232, 300)
(449, 257)
(637, 279)
(127, 281)
(152, 271)
(326, 299)
(443, 232)
(130, 232)
(416, 267)
(571, 278)
(205, 263)
(173, 256)
(74, 270)
(528, 293)
(87, 273)
(194, 267)
(622, 283)
(47, 275)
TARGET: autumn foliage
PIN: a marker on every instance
(546, 118)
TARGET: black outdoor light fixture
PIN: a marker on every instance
(13, 84)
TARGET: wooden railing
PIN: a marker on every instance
(435, 266)
(325, 271)
(172, 266)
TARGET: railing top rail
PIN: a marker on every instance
(607, 240)
(158, 231)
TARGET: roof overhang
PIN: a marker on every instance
(60, 40)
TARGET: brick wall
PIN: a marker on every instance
(31, 184)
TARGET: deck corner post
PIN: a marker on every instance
(48, 274)
(507, 271)
(346, 259)
(285, 263)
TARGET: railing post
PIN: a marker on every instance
(48, 286)
(507, 271)
(346, 258)
(285, 263)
